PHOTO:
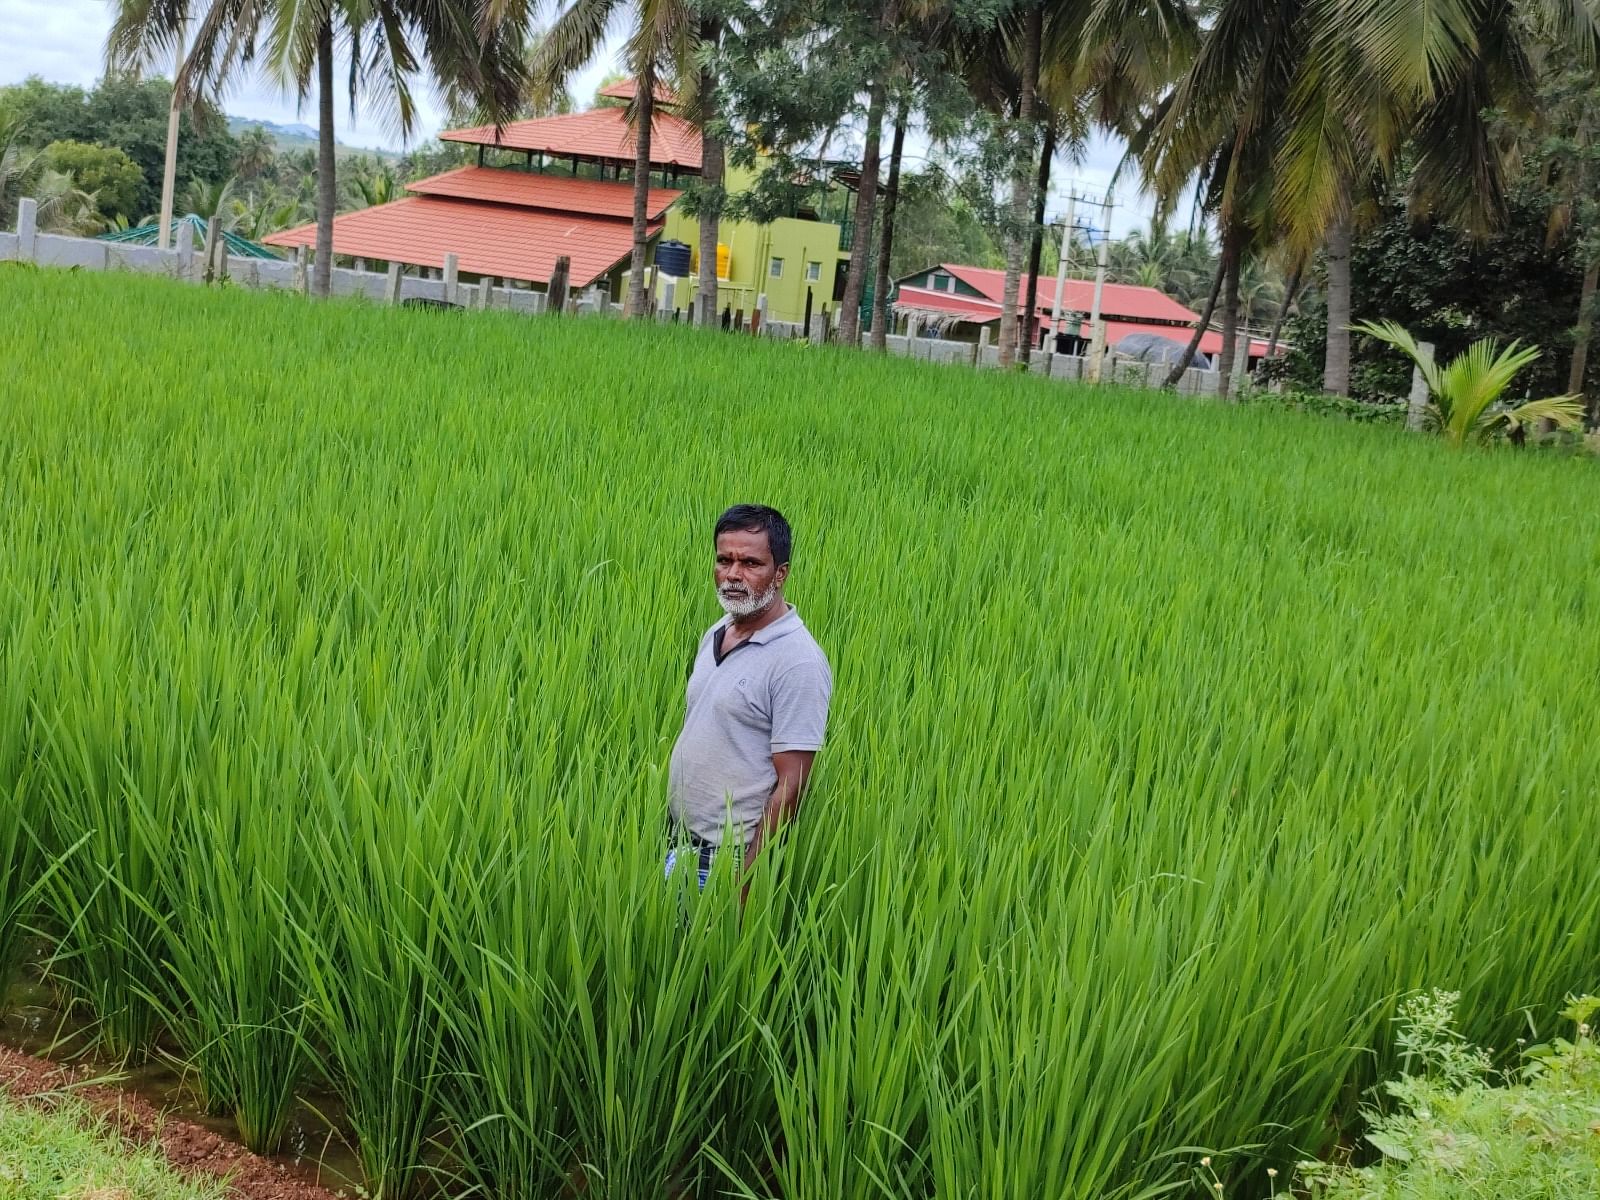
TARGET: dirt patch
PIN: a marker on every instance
(191, 1148)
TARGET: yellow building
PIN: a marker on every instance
(782, 260)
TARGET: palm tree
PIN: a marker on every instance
(1466, 403)
(462, 48)
(207, 200)
(663, 37)
(1059, 62)
(255, 217)
(377, 187)
(1327, 96)
(258, 154)
(19, 167)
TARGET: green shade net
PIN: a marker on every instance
(145, 235)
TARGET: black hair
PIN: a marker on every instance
(758, 518)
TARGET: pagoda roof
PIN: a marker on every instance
(502, 240)
(601, 134)
(556, 193)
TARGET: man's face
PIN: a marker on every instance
(747, 578)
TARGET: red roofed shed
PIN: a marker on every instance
(973, 295)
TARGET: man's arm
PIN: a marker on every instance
(794, 773)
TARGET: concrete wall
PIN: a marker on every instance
(183, 263)
(146, 260)
(54, 250)
(50, 250)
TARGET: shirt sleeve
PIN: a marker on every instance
(800, 707)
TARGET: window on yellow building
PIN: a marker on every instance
(813, 272)
(775, 269)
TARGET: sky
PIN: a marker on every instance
(64, 40)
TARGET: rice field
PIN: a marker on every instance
(342, 651)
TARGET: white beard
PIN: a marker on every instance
(745, 605)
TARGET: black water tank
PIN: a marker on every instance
(672, 258)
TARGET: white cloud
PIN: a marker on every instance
(63, 41)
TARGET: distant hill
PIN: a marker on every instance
(298, 136)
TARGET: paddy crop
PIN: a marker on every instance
(1171, 745)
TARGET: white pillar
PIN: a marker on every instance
(1097, 353)
(451, 270)
(1241, 361)
(27, 228)
(1061, 266)
(983, 344)
(185, 254)
(302, 260)
(486, 293)
(819, 329)
(1417, 405)
(391, 287)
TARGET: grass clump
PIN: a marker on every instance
(65, 1152)
(1455, 1134)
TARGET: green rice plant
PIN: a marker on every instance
(19, 860)
(1171, 747)
(228, 993)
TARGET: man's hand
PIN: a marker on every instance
(794, 772)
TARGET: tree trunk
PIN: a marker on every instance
(866, 199)
(1206, 314)
(1336, 368)
(1021, 180)
(711, 170)
(1036, 248)
(1230, 325)
(891, 198)
(644, 110)
(327, 191)
(1290, 291)
(1582, 336)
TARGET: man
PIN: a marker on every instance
(757, 702)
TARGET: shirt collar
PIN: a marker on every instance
(788, 623)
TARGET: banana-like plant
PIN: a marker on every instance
(1466, 391)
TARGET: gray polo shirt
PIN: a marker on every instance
(766, 695)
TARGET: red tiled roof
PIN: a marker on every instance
(598, 133)
(487, 239)
(1118, 299)
(525, 189)
(979, 310)
(627, 89)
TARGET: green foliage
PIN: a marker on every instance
(1323, 404)
(1465, 400)
(130, 115)
(104, 172)
(1147, 712)
(1455, 1134)
(66, 1151)
(937, 221)
(1452, 289)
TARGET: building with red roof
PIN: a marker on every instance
(498, 222)
(561, 187)
(959, 300)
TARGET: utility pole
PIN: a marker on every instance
(1061, 264)
(169, 176)
(1097, 344)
